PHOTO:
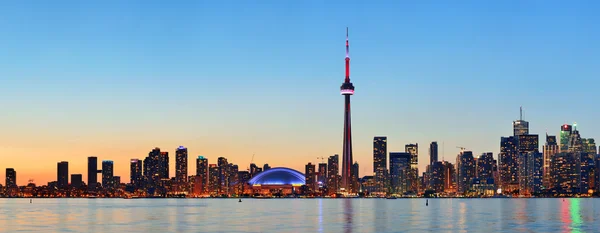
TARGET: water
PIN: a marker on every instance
(300, 215)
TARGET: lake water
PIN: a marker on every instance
(300, 215)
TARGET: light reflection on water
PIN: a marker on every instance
(299, 215)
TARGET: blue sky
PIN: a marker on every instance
(232, 78)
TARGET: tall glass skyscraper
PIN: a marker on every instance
(62, 175)
(181, 165)
(92, 175)
(380, 162)
(413, 150)
(107, 174)
(399, 171)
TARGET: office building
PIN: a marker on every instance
(465, 171)
(508, 164)
(531, 166)
(565, 136)
(433, 152)
(11, 178)
(354, 177)
(92, 173)
(181, 164)
(202, 174)
(322, 175)
(223, 175)
(62, 175)
(399, 171)
(549, 150)
(213, 177)
(380, 162)
(449, 177)
(520, 127)
(310, 176)
(566, 173)
(107, 174)
(436, 177)
(76, 181)
(333, 174)
(486, 165)
(135, 173)
(413, 150)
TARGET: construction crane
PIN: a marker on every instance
(322, 159)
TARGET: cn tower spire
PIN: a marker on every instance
(347, 58)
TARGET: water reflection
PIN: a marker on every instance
(348, 215)
(320, 215)
(575, 215)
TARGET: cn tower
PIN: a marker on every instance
(347, 89)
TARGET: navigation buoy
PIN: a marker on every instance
(30, 201)
(240, 200)
(427, 202)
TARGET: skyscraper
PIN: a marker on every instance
(433, 152)
(223, 175)
(152, 167)
(486, 164)
(107, 174)
(213, 176)
(565, 136)
(436, 177)
(413, 150)
(181, 165)
(163, 165)
(309, 175)
(354, 177)
(520, 127)
(254, 170)
(76, 181)
(549, 150)
(399, 171)
(266, 167)
(465, 171)
(508, 164)
(322, 176)
(347, 89)
(530, 172)
(566, 172)
(332, 174)
(62, 175)
(92, 174)
(11, 178)
(135, 173)
(380, 163)
(202, 174)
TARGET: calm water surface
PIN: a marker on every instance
(300, 215)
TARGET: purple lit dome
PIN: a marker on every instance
(278, 176)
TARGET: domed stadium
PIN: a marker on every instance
(279, 176)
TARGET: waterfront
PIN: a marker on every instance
(300, 215)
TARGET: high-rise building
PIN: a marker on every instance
(213, 177)
(322, 176)
(436, 177)
(530, 172)
(465, 171)
(575, 141)
(566, 172)
(528, 143)
(520, 127)
(164, 165)
(587, 173)
(597, 173)
(380, 163)
(309, 175)
(449, 177)
(233, 178)
(107, 174)
(486, 165)
(152, 167)
(549, 150)
(565, 136)
(347, 90)
(181, 164)
(202, 174)
(399, 171)
(508, 164)
(11, 178)
(355, 177)
(135, 173)
(76, 181)
(92, 174)
(413, 150)
(333, 174)
(62, 175)
(116, 181)
(589, 146)
(266, 167)
(223, 175)
(433, 152)
(254, 170)
(244, 177)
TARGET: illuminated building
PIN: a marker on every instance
(486, 165)
(380, 163)
(135, 173)
(565, 136)
(413, 150)
(367, 184)
(254, 170)
(354, 177)
(322, 175)
(597, 173)
(213, 177)
(549, 150)
(202, 174)
(575, 141)
(152, 167)
(278, 180)
(433, 153)
(163, 167)
(449, 177)
(244, 177)
(508, 164)
(589, 146)
(528, 143)
(399, 171)
(223, 175)
(11, 178)
(436, 177)
(76, 181)
(520, 127)
(347, 90)
(587, 173)
(116, 181)
(333, 174)
(465, 171)
(233, 178)
(107, 174)
(566, 173)
(92, 173)
(310, 176)
(181, 165)
(530, 172)
(62, 175)
(266, 167)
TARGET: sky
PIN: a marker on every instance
(114, 79)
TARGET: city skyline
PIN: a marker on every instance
(92, 89)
